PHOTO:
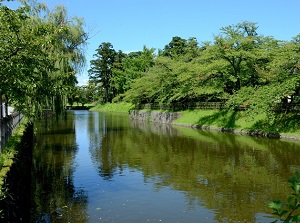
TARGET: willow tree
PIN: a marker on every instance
(41, 52)
(68, 52)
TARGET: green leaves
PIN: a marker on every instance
(295, 184)
(115, 72)
(241, 67)
(286, 211)
(101, 70)
(38, 57)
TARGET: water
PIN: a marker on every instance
(100, 167)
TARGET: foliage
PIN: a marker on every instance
(41, 51)
(179, 47)
(240, 67)
(133, 66)
(113, 72)
(281, 81)
(170, 81)
(287, 212)
(101, 70)
(82, 94)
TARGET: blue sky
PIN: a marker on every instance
(130, 24)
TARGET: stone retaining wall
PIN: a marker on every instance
(159, 117)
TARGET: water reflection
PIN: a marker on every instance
(55, 199)
(135, 172)
(233, 175)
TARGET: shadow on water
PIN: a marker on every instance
(55, 198)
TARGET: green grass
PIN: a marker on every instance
(219, 118)
(114, 107)
(239, 120)
(8, 154)
(281, 123)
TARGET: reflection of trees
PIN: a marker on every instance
(233, 175)
(55, 198)
(101, 129)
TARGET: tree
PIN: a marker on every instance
(235, 55)
(175, 47)
(101, 70)
(281, 81)
(40, 54)
(179, 47)
(131, 67)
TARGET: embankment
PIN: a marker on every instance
(15, 206)
(170, 117)
(152, 116)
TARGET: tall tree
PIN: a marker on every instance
(101, 70)
(69, 45)
(175, 48)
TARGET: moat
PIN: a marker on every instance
(104, 167)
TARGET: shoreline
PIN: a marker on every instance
(170, 117)
(255, 133)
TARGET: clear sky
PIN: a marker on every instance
(130, 24)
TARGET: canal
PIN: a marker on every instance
(93, 167)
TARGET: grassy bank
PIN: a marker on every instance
(281, 123)
(8, 154)
(239, 120)
(113, 107)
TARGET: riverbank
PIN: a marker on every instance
(15, 162)
(284, 126)
(113, 107)
(8, 155)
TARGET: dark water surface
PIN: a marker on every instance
(102, 167)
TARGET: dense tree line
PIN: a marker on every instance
(113, 72)
(239, 67)
(41, 51)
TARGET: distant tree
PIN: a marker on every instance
(101, 70)
(175, 47)
(179, 47)
(133, 66)
(92, 92)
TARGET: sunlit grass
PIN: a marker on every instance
(219, 118)
(241, 120)
(114, 107)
